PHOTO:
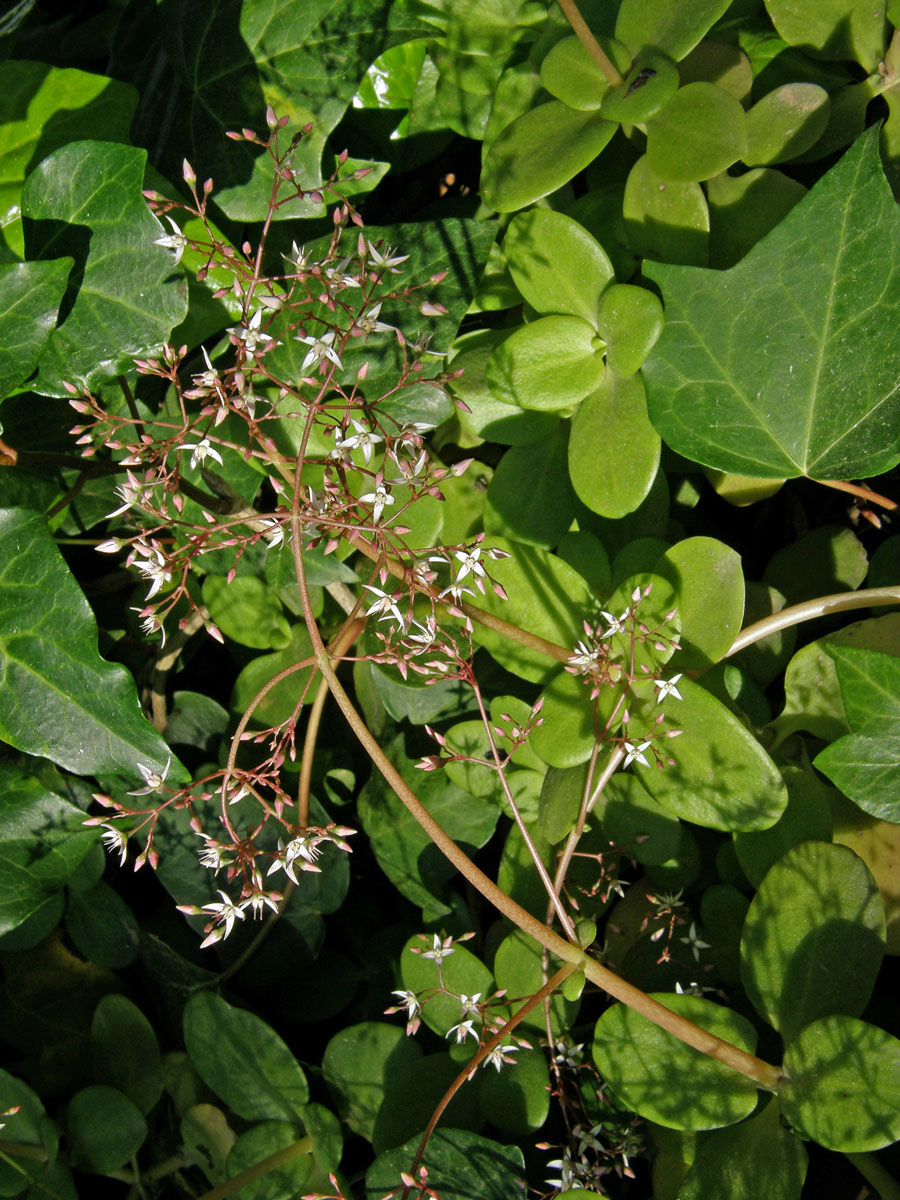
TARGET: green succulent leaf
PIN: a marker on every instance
(634, 821)
(243, 1060)
(721, 777)
(614, 451)
(630, 320)
(665, 221)
(669, 25)
(785, 123)
(362, 1064)
(841, 1086)
(813, 939)
(125, 1052)
(700, 132)
(516, 1099)
(754, 1158)
(85, 200)
(58, 697)
(404, 851)
(530, 498)
(556, 264)
(545, 597)
(460, 1166)
(663, 1078)
(539, 152)
(105, 1129)
(803, 379)
(709, 585)
(247, 611)
(525, 370)
(560, 802)
(570, 74)
(807, 818)
(832, 29)
(460, 972)
(255, 1145)
(743, 209)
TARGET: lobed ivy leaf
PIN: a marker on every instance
(43, 841)
(31, 297)
(865, 769)
(216, 68)
(787, 364)
(41, 109)
(58, 697)
(124, 299)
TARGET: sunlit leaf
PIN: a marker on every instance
(787, 363)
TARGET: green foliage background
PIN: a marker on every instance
(662, 250)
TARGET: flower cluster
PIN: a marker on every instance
(480, 1018)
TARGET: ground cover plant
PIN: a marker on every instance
(449, 644)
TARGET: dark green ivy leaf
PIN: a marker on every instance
(787, 364)
(124, 296)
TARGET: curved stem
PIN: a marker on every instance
(856, 489)
(341, 643)
(823, 606)
(587, 39)
(874, 1173)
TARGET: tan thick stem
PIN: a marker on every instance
(582, 32)
(863, 493)
(822, 606)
